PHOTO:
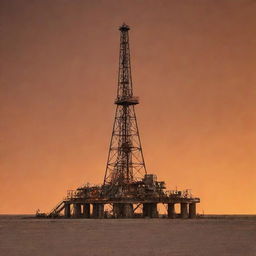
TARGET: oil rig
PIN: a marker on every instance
(128, 191)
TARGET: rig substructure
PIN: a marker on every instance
(127, 191)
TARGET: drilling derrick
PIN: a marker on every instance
(125, 162)
(127, 191)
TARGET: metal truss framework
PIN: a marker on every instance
(125, 162)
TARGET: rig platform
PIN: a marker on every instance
(128, 191)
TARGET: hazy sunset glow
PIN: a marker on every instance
(193, 67)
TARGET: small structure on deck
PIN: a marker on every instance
(127, 191)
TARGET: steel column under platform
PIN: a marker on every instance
(150, 210)
(98, 211)
(192, 210)
(122, 210)
(171, 211)
(128, 210)
(77, 210)
(67, 210)
(116, 211)
(183, 210)
(86, 211)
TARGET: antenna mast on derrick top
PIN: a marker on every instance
(125, 162)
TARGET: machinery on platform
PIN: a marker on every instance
(128, 190)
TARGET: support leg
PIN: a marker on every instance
(100, 211)
(183, 210)
(146, 210)
(86, 210)
(67, 210)
(95, 211)
(171, 211)
(77, 210)
(153, 210)
(150, 210)
(117, 210)
(192, 210)
(127, 210)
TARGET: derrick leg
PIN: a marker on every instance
(183, 210)
(171, 211)
(192, 210)
(67, 210)
(86, 210)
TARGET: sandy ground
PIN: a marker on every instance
(84, 237)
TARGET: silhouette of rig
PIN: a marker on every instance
(128, 191)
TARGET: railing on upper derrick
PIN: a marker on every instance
(127, 100)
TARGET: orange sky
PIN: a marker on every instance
(193, 65)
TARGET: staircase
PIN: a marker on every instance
(56, 210)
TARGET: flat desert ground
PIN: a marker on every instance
(74, 237)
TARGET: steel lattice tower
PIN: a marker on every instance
(125, 162)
